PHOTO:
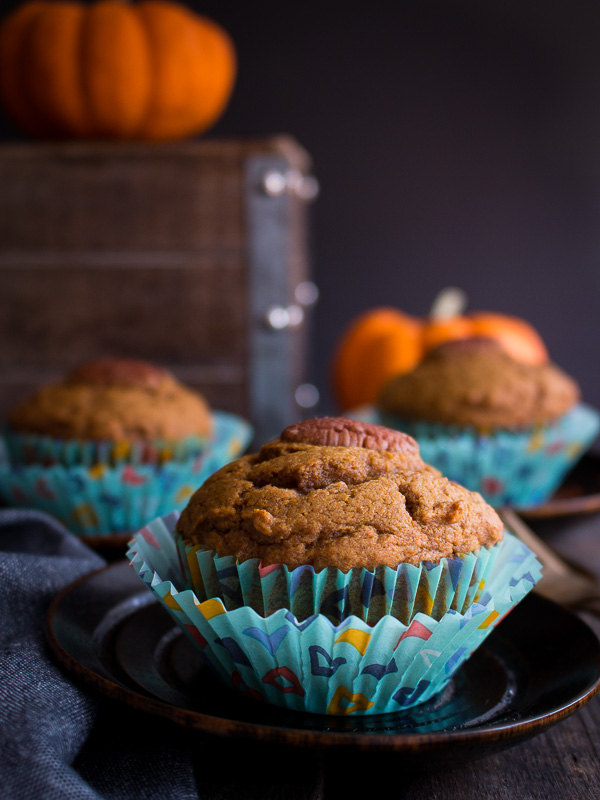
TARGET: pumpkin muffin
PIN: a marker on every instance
(337, 493)
(334, 571)
(133, 405)
(507, 429)
(475, 382)
(113, 444)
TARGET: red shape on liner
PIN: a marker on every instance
(262, 571)
(131, 477)
(43, 490)
(492, 485)
(196, 635)
(416, 629)
(286, 673)
(18, 494)
(242, 688)
(149, 537)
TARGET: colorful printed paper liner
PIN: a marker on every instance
(433, 589)
(516, 468)
(316, 665)
(31, 448)
(110, 499)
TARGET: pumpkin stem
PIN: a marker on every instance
(449, 302)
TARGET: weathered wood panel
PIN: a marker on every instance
(141, 251)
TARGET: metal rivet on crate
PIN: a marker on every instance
(306, 293)
(280, 317)
(306, 395)
(275, 183)
(306, 187)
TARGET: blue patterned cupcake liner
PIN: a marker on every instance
(31, 448)
(103, 499)
(515, 468)
(433, 589)
(320, 666)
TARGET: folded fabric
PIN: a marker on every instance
(55, 743)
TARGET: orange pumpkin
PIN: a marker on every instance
(384, 342)
(376, 346)
(152, 71)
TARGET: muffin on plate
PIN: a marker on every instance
(334, 571)
(113, 442)
(506, 429)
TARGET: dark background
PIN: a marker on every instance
(457, 142)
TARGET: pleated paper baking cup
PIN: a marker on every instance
(104, 499)
(29, 448)
(319, 666)
(516, 468)
(403, 592)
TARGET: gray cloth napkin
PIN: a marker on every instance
(57, 739)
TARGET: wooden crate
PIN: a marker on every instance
(174, 253)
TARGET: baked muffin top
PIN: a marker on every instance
(474, 382)
(114, 400)
(337, 493)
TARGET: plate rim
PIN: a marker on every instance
(108, 541)
(299, 737)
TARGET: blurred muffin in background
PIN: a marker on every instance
(504, 428)
(474, 382)
(110, 410)
(112, 444)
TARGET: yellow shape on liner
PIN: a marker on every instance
(355, 637)
(97, 471)
(356, 702)
(183, 494)
(85, 515)
(489, 619)
(479, 591)
(192, 560)
(170, 602)
(211, 608)
(536, 442)
(121, 450)
(423, 600)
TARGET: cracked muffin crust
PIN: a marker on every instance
(113, 400)
(349, 505)
(475, 383)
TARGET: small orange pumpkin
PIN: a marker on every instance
(152, 71)
(384, 342)
(377, 345)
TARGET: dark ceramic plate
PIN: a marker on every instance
(537, 667)
(578, 494)
(110, 545)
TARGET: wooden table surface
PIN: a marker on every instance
(563, 762)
